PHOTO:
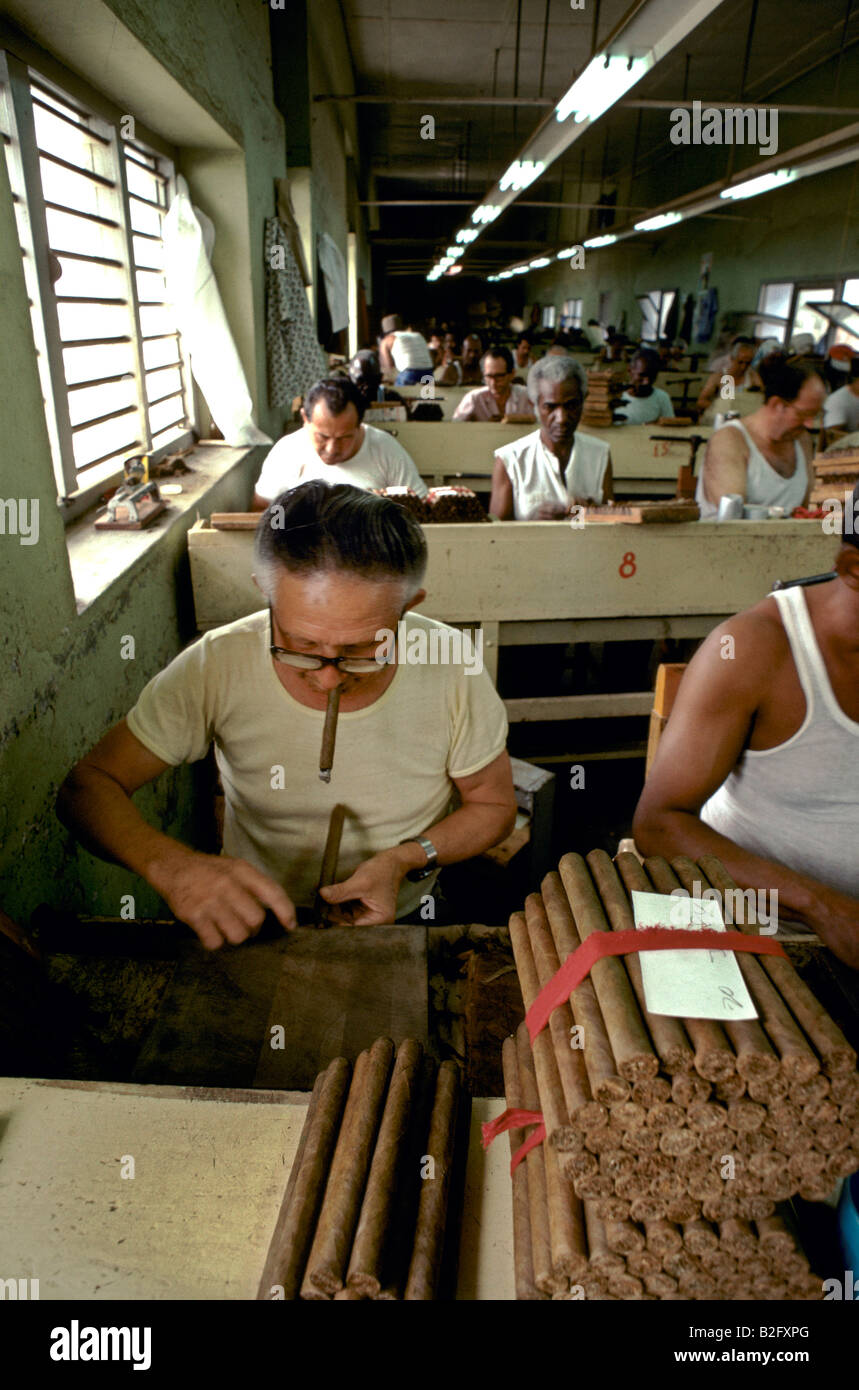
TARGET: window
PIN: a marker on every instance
(787, 308)
(548, 318)
(90, 208)
(571, 314)
(655, 308)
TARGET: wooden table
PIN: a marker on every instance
(531, 582)
(462, 451)
(195, 1219)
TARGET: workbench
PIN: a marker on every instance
(533, 582)
(464, 451)
(195, 1219)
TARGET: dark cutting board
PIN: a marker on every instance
(334, 992)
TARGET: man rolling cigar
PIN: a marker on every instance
(336, 446)
(340, 571)
(757, 764)
(542, 475)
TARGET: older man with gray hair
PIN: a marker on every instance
(541, 476)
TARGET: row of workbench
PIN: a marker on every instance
(451, 451)
(533, 582)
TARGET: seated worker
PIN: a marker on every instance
(499, 399)
(757, 764)
(337, 568)
(737, 366)
(541, 476)
(841, 409)
(766, 457)
(645, 402)
(365, 373)
(523, 355)
(448, 372)
(334, 445)
(594, 334)
(404, 351)
(472, 352)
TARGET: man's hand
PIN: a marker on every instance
(221, 899)
(835, 918)
(368, 898)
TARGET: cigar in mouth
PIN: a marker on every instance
(329, 734)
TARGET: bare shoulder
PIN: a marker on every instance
(728, 443)
(745, 649)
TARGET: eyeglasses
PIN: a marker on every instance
(350, 665)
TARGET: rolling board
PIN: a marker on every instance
(640, 513)
(333, 991)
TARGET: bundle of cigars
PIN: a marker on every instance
(605, 390)
(365, 1210)
(564, 1250)
(670, 1137)
(835, 472)
(440, 504)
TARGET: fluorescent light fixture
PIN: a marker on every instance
(521, 269)
(505, 274)
(655, 224)
(454, 270)
(493, 278)
(540, 262)
(765, 184)
(454, 251)
(487, 212)
(603, 82)
(593, 242)
(445, 262)
(467, 235)
(521, 174)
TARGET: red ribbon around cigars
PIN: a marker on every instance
(515, 1119)
(623, 943)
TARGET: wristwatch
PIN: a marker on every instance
(429, 849)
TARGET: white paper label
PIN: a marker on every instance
(689, 984)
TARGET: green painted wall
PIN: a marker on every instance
(809, 230)
(62, 679)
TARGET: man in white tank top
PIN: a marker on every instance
(766, 457)
(758, 762)
(542, 475)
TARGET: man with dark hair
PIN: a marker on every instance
(472, 351)
(523, 352)
(645, 402)
(341, 573)
(499, 398)
(365, 373)
(335, 446)
(757, 764)
(766, 458)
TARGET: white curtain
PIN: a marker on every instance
(334, 272)
(201, 320)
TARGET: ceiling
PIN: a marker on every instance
(446, 53)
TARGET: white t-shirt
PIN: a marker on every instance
(393, 760)
(535, 473)
(642, 410)
(841, 410)
(380, 462)
(410, 350)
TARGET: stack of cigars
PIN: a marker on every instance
(835, 472)
(365, 1210)
(665, 1135)
(451, 504)
(605, 390)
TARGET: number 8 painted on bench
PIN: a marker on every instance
(626, 569)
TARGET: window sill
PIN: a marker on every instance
(98, 559)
